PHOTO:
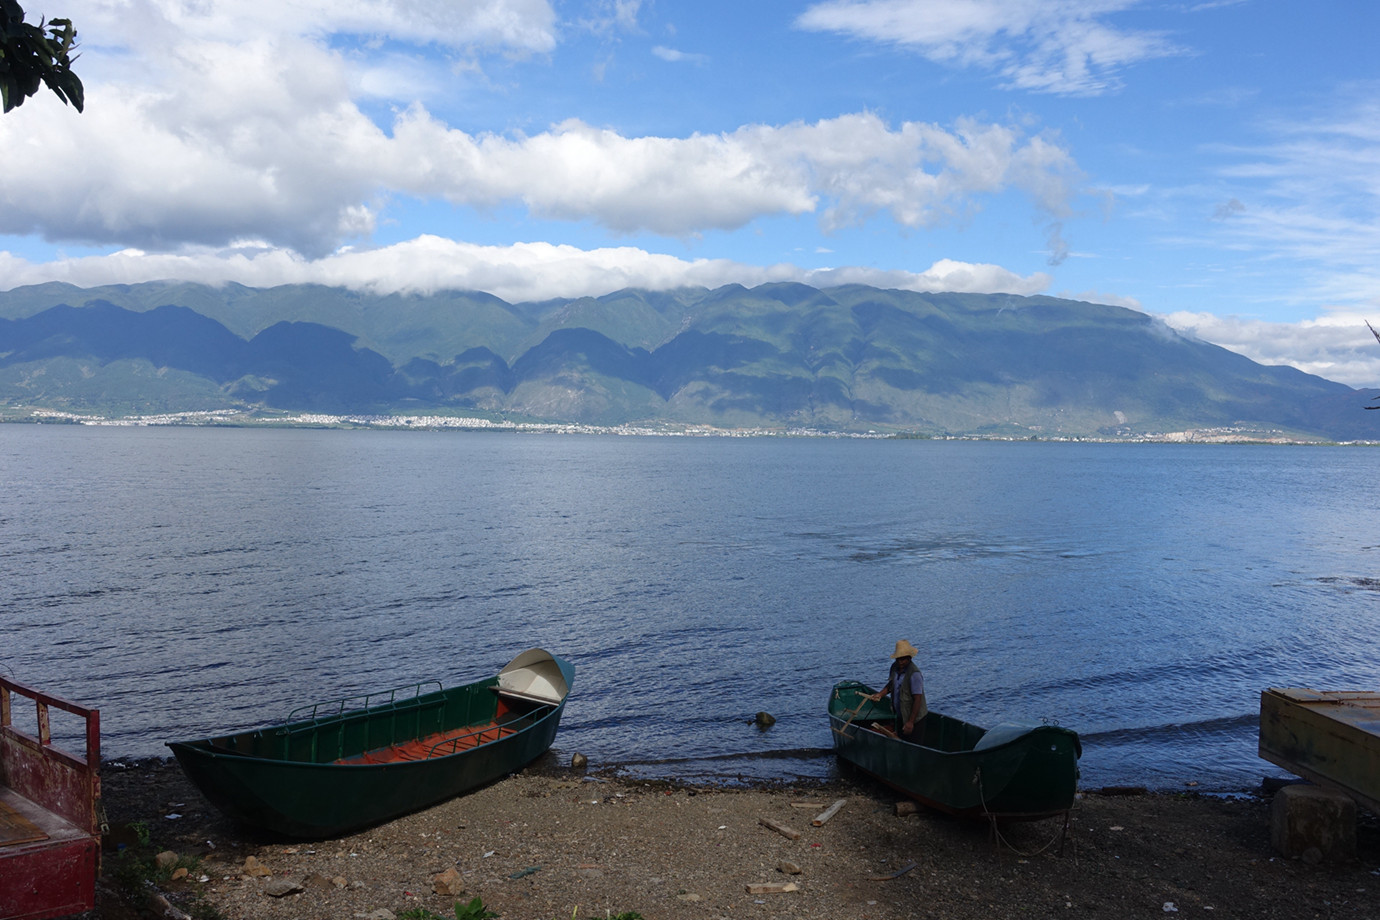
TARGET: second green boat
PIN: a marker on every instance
(1012, 771)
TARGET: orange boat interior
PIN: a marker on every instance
(449, 742)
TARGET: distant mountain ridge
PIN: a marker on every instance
(846, 358)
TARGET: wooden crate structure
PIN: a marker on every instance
(1331, 737)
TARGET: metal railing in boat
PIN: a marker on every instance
(451, 745)
(334, 708)
(317, 720)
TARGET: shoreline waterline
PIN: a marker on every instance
(237, 419)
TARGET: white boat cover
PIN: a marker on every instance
(534, 675)
(1004, 732)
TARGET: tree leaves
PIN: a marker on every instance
(32, 55)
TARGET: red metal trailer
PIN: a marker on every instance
(50, 822)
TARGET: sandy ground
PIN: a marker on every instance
(550, 844)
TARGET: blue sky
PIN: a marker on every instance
(1213, 163)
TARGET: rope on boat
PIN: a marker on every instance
(1059, 835)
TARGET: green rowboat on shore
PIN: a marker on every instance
(1011, 771)
(353, 763)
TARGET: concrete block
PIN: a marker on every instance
(1313, 823)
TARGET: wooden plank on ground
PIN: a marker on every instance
(779, 828)
(828, 813)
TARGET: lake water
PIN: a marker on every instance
(190, 581)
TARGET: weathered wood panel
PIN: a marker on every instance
(1329, 737)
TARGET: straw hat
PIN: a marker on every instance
(904, 649)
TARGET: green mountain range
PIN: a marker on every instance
(850, 358)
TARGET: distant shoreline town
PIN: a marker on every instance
(231, 418)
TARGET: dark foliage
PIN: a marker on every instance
(32, 55)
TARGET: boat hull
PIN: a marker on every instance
(324, 777)
(1013, 771)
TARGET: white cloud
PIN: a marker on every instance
(1111, 300)
(946, 275)
(258, 139)
(851, 167)
(1337, 346)
(211, 121)
(253, 141)
(672, 56)
(1047, 46)
(523, 271)
(602, 16)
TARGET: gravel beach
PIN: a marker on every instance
(551, 844)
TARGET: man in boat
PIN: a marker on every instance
(906, 685)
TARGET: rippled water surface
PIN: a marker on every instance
(189, 581)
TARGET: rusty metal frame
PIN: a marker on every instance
(60, 792)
